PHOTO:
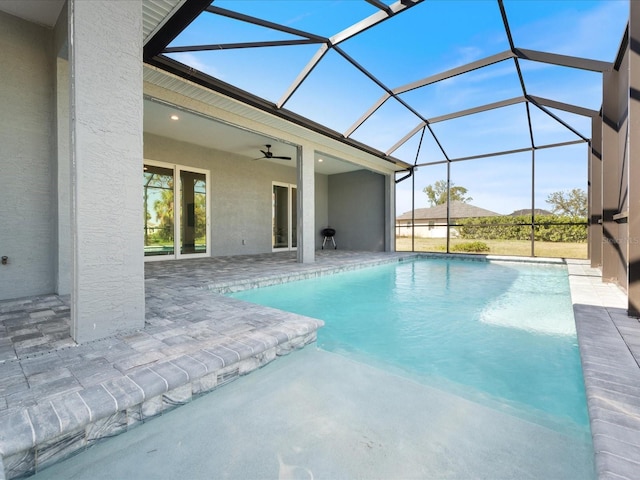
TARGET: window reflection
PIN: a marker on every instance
(158, 211)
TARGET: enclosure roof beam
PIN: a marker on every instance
(502, 153)
(479, 109)
(264, 23)
(564, 60)
(567, 107)
(231, 46)
(372, 20)
(485, 62)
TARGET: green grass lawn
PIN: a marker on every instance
(499, 247)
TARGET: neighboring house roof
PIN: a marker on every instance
(458, 210)
(527, 211)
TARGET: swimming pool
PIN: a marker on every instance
(319, 413)
(501, 333)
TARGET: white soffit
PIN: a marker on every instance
(189, 89)
(155, 13)
(46, 12)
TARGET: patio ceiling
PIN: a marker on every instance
(198, 129)
(42, 12)
(412, 82)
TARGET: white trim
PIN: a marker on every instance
(290, 235)
(207, 174)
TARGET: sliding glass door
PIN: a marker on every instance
(171, 234)
(284, 217)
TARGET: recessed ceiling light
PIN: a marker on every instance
(175, 117)
(320, 160)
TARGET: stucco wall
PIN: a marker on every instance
(240, 203)
(357, 210)
(322, 206)
(27, 213)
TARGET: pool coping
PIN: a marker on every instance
(45, 433)
(42, 434)
(609, 342)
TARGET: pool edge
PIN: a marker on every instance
(35, 437)
(614, 416)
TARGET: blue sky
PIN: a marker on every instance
(432, 37)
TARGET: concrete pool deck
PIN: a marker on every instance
(57, 397)
(610, 353)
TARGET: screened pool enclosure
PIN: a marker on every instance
(499, 98)
(520, 110)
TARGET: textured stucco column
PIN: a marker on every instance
(390, 213)
(105, 47)
(634, 163)
(306, 205)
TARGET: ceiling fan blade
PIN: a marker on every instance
(268, 155)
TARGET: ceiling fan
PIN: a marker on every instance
(269, 155)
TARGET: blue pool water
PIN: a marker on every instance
(499, 331)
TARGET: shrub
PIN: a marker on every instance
(549, 228)
(472, 247)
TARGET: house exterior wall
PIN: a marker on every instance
(38, 221)
(240, 204)
(194, 103)
(322, 206)
(436, 228)
(357, 210)
(422, 229)
(27, 199)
